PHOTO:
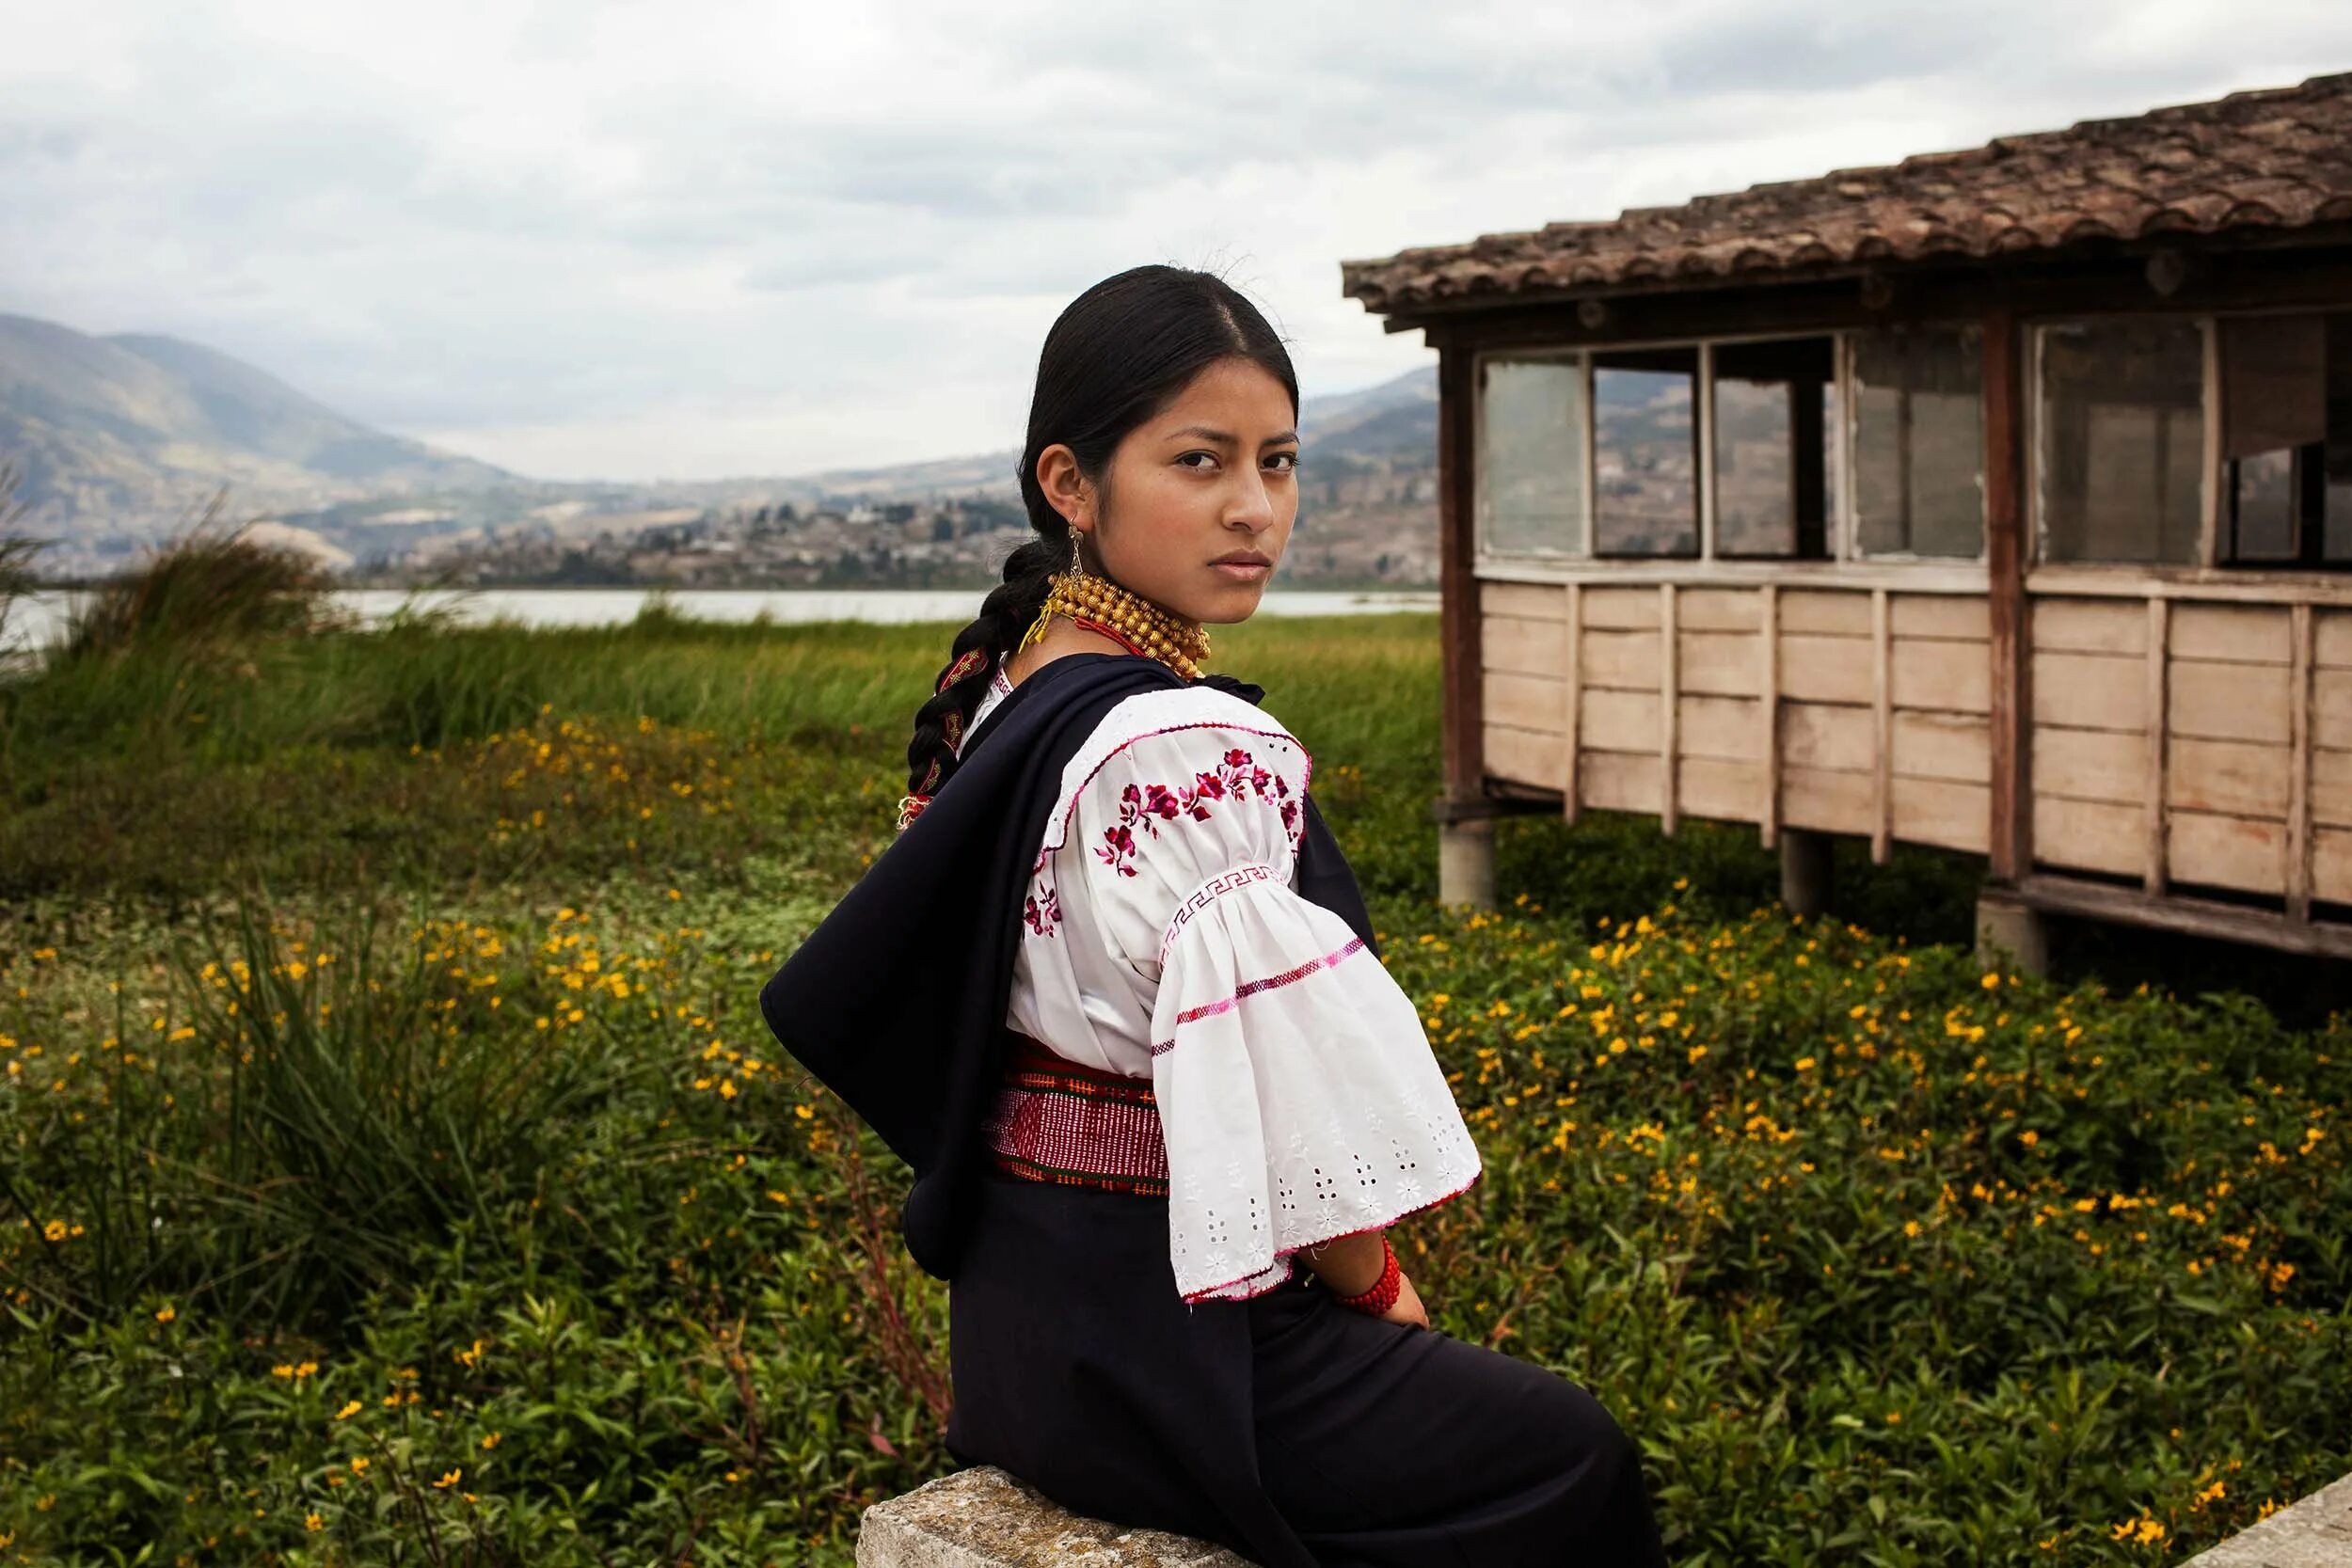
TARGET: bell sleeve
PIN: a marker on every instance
(1297, 1094)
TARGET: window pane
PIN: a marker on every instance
(2274, 402)
(1644, 453)
(2265, 497)
(2122, 440)
(1918, 441)
(1530, 456)
(1773, 465)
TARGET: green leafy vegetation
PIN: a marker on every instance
(394, 1167)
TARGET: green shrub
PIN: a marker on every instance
(1883, 1259)
(211, 587)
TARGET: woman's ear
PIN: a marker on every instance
(1065, 487)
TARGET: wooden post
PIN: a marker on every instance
(1807, 872)
(1883, 715)
(1669, 711)
(2012, 827)
(1808, 482)
(1466, 848)
(1457, 600)
(1768, 705)
(2159, 726)
(1902, 440)
(1572, 670)
(2299, 694)
(1703, 448)
(2209, 450)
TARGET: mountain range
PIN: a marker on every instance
(135, 431)
(117, 442)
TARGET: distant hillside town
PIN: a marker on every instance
(1363, 529)
(119, 442)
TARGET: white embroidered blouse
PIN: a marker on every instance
(1298, 1097)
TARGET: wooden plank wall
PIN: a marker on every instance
(1866, 713)
(2204, 744)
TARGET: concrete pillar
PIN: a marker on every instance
(2010, 933)
(1806, 875)
(1465, 862)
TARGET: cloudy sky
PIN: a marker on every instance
(700, 238)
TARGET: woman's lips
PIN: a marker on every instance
(1243, 570)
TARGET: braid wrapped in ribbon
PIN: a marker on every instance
(1034, 594)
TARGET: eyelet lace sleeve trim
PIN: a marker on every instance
(1300, 1096)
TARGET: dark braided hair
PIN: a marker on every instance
(1120, 353)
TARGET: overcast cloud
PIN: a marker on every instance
(698, 239)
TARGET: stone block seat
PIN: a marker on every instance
(982, 1517)
(2316, 1532)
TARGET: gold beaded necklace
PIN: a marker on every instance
(1098, 604)
(1127, 618)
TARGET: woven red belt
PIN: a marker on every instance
(1052, 1119)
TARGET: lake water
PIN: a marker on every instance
(37, 618)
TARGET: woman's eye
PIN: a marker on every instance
(1290, 462)
(1210, 456)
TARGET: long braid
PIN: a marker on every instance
(973, 658)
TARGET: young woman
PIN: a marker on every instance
(1114, 996)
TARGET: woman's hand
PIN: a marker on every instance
(1358, 1260)
(1407, 1308)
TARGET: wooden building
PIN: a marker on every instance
(1999, 500)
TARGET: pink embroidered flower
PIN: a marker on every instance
(1235, 777)
(1121, 846)
(1043, 917)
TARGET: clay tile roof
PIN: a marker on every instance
(2276, 159)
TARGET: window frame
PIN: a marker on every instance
(1850, 427)
(1702, 454)
(2224, 523)
(1837, 529)
(1481, 553)
(1836, 525)
(2215, 525)
(1844, 558)
(2037, 416)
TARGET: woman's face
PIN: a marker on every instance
(1192, 496)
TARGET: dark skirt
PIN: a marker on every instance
(1297, 1432)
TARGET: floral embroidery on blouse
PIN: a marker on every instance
(1147, 806)
(1044, 915)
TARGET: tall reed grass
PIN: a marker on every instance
(211, 587)
(17, 551)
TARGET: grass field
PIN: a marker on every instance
(396, 1170)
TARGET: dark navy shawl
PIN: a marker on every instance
(897, 1001)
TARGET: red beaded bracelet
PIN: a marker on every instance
(1384, 1291)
